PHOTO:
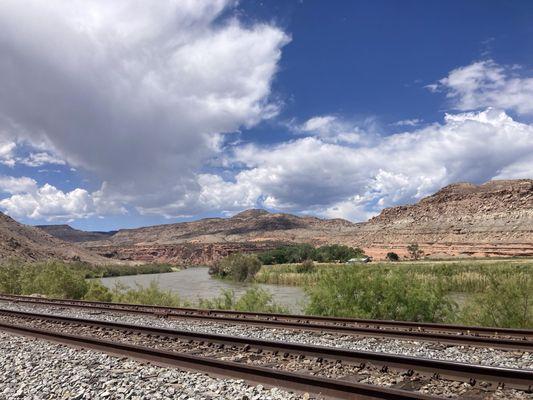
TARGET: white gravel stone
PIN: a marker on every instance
(33, 369)
(464, 354)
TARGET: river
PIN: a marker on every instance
(193, 283)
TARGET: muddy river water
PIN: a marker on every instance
(193, 283)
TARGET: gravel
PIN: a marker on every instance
(464, 354)
(36, 369)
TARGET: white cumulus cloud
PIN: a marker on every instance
(28, 200)
(334, 180)
(334, 129)
(137, 92)
(488, 84)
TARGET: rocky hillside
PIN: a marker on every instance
(32, 244)
(69, 234)
(206, 240)
(493, 219)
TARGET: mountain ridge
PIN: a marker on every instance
(461, 219)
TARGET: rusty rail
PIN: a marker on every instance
(456, 334)
(497, 376)
(308, 383)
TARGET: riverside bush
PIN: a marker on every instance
(238, 267)
(150, 295)
(306, 267)
(372, 293)
(106, 271)
(506, 302)
(96, 291)
(253, 300)
(298, 253)
(10, 277)
(53, 279)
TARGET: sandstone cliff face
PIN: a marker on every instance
(186, 254)
(32, 244)
(493, 219)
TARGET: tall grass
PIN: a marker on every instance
(378, 294)
(497, 293)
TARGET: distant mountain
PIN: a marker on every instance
(492, 219)
(69, 234)
(206, 240)
(32, 244)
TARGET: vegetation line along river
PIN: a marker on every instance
(194, 283)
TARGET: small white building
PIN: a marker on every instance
(362, 260)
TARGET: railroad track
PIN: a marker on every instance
(268, 362)
(506, 338)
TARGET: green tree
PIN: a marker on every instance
(238, 267)
(414, 251)
(392, 256)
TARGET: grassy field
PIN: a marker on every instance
(461, 275)
(484, 292)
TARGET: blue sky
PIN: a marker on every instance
(112, 117)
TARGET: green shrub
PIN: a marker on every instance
(306, 267)
(506, 302)
(392, 256)
(298, 253)
(414, 251)
(53, 279)
(151, 295)
(238, 267)
(105, 271)
(96, 291)
(364, 292)
(253, 300)
(10, 277)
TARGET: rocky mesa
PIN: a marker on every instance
(492, 219)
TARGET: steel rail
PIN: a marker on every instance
(519, 379)
(413, 334)
(308, 383)
(303, 319)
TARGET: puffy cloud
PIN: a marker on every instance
(13, 185)
(337, 130)
(488, 84)
(316, 176)
(28, 200)
(138, 93)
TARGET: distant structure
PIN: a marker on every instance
(361, 260)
